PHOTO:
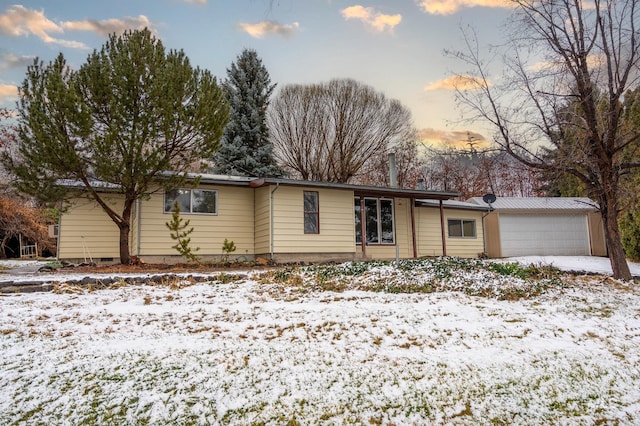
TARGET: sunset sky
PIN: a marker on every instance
(395, 46)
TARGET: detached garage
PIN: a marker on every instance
(539, 226)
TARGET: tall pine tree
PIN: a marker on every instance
(246, 149)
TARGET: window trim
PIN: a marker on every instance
(379, 221)
(313, 212)
(191, 212)
(461, 222)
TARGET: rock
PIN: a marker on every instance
(47, 268)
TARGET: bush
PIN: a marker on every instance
(180, 232)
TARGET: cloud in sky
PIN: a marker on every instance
(195, 1)
(448, 7)
(455, 82)
(595, 62)
(19, 21)
(8, 91)
(9, 61)
(451, 138)
(369, 16)
(109, 26)
(260, 29)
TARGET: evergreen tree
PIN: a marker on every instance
(246, 149)
(127, 115)
(180, 232)
(630, 219)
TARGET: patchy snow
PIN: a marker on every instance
(254, 352)
(593, 264)
(17, 263)
(587, 264)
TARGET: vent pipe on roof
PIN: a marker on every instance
(393, 171)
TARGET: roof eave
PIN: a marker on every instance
(363, 190)
(454, 207)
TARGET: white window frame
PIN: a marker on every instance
(191, 191)
(379, 221)
(462, 222)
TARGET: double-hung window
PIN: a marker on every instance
(311, 212)
(378, 217)
(198, 201)
(462, 228)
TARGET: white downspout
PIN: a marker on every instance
(271, 206)
(59, 228)
(139, 214)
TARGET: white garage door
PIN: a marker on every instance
(550, 235)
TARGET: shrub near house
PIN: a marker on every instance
(19, 221)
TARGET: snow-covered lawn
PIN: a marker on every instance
(593, 264)
(314, 347)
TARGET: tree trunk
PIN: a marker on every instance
(125, 228)
(125, 256)
(617, 257)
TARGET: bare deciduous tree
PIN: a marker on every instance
(563, 55)
(375, 170)
(326, 132)
(473, 173)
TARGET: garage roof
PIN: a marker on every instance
(539, 203)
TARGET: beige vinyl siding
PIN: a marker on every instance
(337, 230)
(430, 233)
(596, 234)
(262, 217)
(465, 247)
(402, 218)
(87, 232)
(234, 221)
(492, 234)
(403, 236)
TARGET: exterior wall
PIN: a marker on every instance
(596, 235)
(492, 235)
(311, 258)
(234, 221)
(244, 216)
(429, 233)
(465, 247)
(337, 230)
(87, 232)
(262, 232)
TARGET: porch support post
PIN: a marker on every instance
(413, 227)
(444, 241)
